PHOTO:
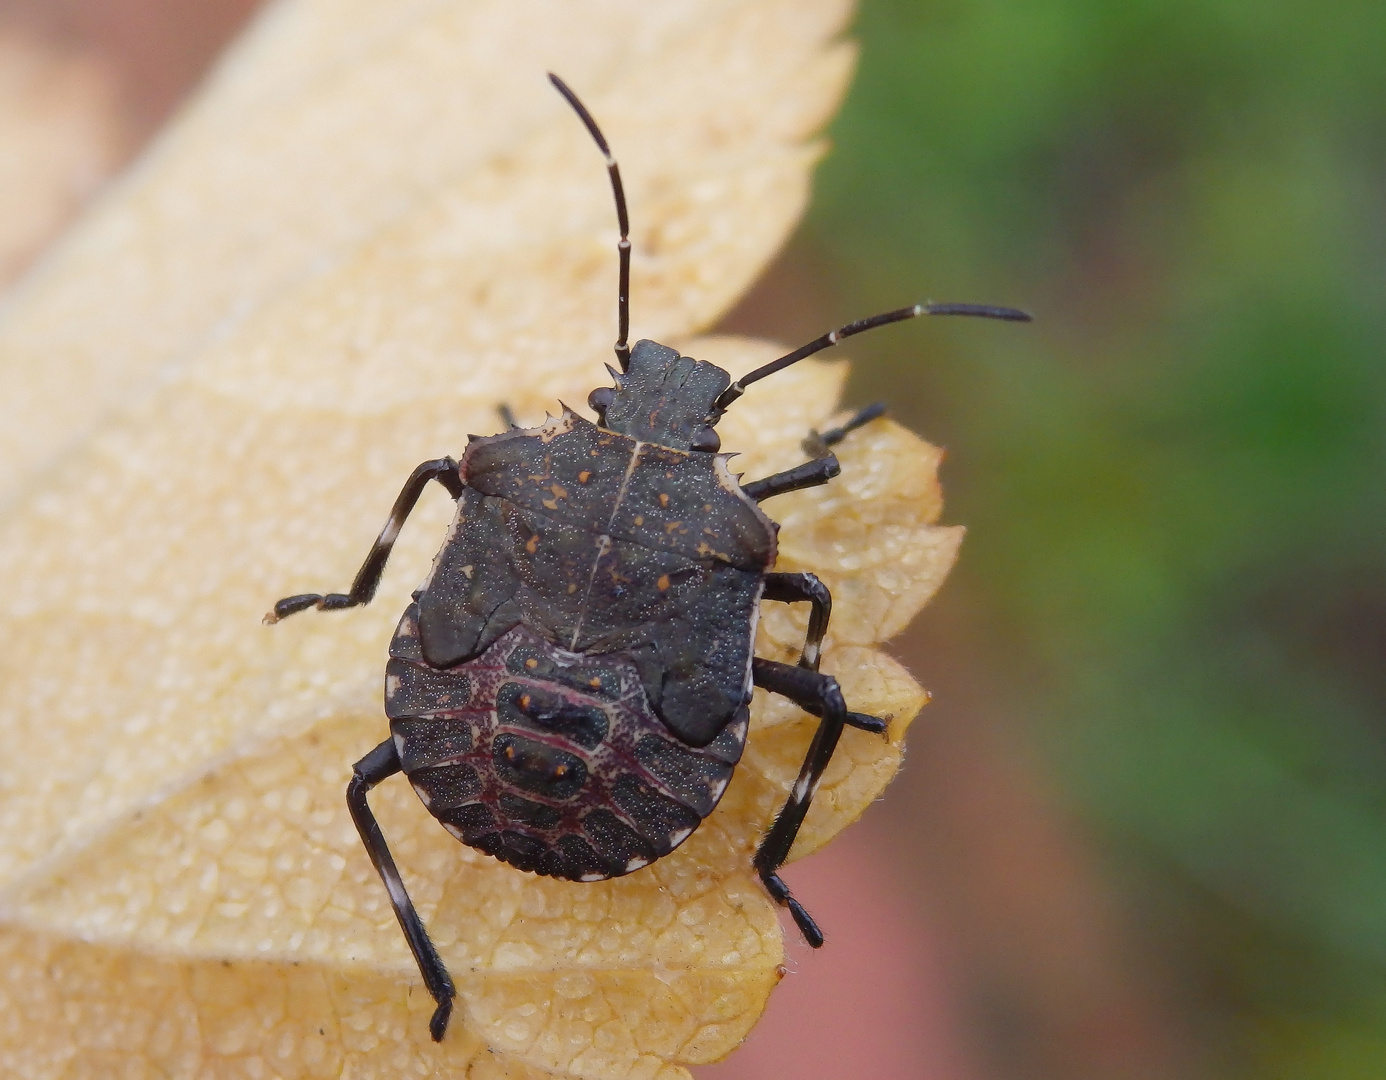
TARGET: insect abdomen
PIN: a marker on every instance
(550, 760)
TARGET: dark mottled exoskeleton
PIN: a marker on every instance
(569, 690)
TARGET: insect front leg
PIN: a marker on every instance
(380, 764)
(823, 464)
(816, 444)
(444, 470)
(810, 474)
(794, 588)
(819, 694)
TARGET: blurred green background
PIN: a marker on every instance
(1171, 605)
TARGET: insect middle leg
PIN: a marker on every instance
(367, 580)
(380, 764)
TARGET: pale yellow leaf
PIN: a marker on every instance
(377, 224)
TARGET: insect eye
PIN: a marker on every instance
(600, 399)
(706, 440)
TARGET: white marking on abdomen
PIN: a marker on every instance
(751, 659)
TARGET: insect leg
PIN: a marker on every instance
(816, 445)
(793, 588)
(875, 725)
(810, 474)
(444, 470)
(798, 588)
(823, 466)
(380, 764)
(819, 694)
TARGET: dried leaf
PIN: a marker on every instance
(376, 225)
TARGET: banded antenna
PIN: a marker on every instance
(832, 337)
(622, 219)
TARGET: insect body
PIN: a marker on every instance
(569, 690)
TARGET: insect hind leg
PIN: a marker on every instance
(380, 764)
(819, 694)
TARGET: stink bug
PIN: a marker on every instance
(569, 691)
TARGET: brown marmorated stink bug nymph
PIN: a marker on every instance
(569, 690)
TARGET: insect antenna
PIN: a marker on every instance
(832, 337)
(623, 246)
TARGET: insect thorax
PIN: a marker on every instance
(665, 398)
(550, 760)
(606, 546)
